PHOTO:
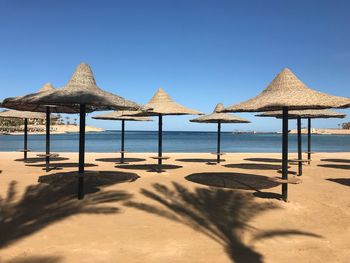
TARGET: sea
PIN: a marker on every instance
(175, 141)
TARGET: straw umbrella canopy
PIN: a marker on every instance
(287, 92)
(218, 117)
(14, 114)
(304, 114)
(162, 104)
(82, 95)
(20, 103)
(118, 115)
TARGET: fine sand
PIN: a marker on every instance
(133, 214)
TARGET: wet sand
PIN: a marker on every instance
(193, 212)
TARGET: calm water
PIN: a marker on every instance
(146, 141)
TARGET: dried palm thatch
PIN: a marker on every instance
(162, 104)
(217, 116)
(119, 115)
(81, 89)
(313, 114)
(22, 103)
(286, 90)
(15, 114)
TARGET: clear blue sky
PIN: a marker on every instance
(202, 52)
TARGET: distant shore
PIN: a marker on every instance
(57, 129)
(323, 131)
(62, 129)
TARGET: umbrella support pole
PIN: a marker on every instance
(47, 156)
(81, 151)
(122, 142)
(300, 164)
(25, 140)
(218, 143)
(160, 142)
(309, 140)
(285, 154)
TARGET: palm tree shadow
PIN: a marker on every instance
(36, 259)
(222, 215)
(44, 204)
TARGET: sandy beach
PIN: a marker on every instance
(193, 212)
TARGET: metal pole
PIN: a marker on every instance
(300, 164)
(285, 153)
(160, 142)
(122, 142)
(309, 140)
(81, 152)
(47, 155)
(218, 145)
(25, 148)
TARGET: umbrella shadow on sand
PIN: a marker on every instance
(93, 180)
(39, 160)
(343, 181)
(232, 180)
(118, 160)
(44, 204)
(254, 166)
(265, 160)
(60, 166)
(199, 160)
(148, 167)
(220, 214)
(239, 181)
(336, 160)
(35, 259)
(336, 166)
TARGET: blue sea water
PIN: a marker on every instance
(175, 141)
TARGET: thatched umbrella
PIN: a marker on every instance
(218, 117)
(15, 114)
(304, 114)
(162, 104)
(287, 92)
(82, 95)
(20, 103)
(119, 115)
